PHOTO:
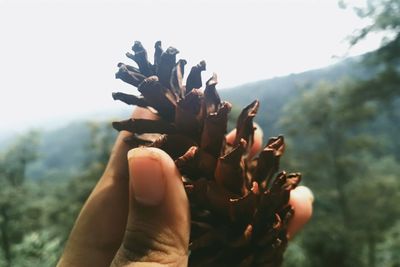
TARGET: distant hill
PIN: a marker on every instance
(276, 92)
(64, 151)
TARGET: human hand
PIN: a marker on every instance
(140, 216)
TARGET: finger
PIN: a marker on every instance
(158, 222)
(99, 228)
(257, 142)
(301, 199)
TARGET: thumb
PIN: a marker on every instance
(157, 230)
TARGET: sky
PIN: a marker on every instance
(58, 58)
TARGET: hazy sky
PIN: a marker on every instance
(58, 58)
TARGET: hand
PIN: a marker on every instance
(127, 221)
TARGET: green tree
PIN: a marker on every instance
(383, 16)
(342, 156)
(13, 192)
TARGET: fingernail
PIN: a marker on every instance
(306, 192)
(146, 175)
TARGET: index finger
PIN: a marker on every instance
(257, 142)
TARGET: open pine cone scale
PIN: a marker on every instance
(239, 206)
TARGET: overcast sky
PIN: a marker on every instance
(58, 58)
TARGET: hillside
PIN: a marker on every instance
(276, 92)
(64, 151)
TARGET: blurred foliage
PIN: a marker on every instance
(62, 152)
(383, 16)
(352, 169)
(342, 133)
(36, 215)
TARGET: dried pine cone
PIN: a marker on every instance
(239, 208)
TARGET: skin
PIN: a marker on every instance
(117, 228)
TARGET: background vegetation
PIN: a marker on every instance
(341, 125)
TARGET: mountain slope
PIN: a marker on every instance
(276, 92)
(64, 152)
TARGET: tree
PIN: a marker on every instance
(13, 198)
(37, 215)
(384, 17)
(335, 141)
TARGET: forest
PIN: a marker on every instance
(341, 125)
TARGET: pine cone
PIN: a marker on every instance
(239, 207)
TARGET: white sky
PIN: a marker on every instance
(58, 58)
